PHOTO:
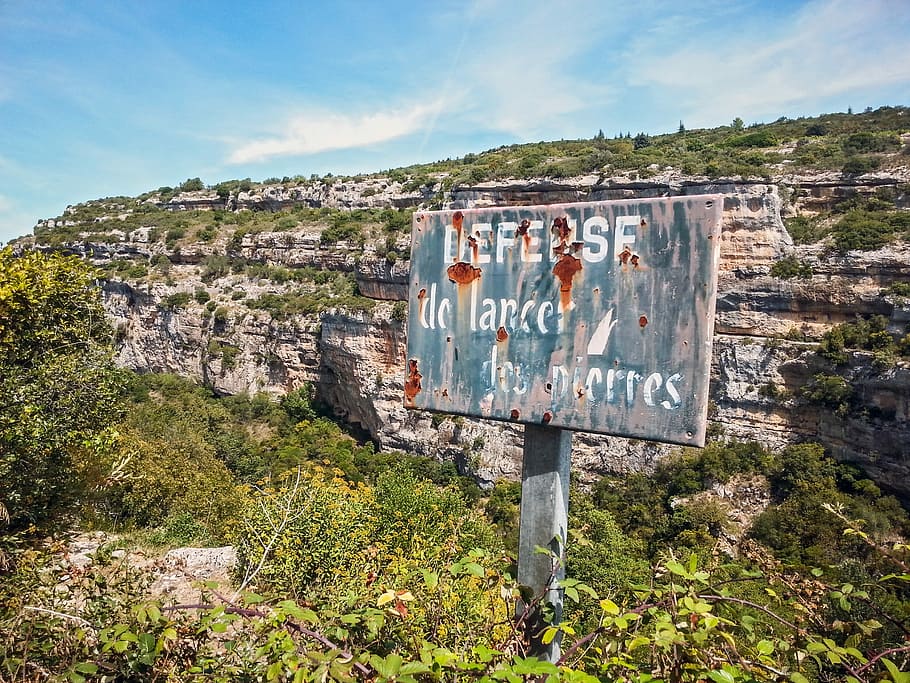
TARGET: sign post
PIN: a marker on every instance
(594, 316)
(544, 522)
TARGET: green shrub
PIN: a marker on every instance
(175, 301)
(759, 138)
(829, 390)
(790, 267)
(804, 230)
(867, 142)
(867, 230)
(860, 165)
(201, 296)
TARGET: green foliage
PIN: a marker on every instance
(215, 266)
(399, 311)
(867, 230)
(759, 138)
(339, 292)
(790, 267)
(829, 390)
(191, 185)
(804, 230)
(58, 387)
(175, 301)
(869, 334)
(866, 142)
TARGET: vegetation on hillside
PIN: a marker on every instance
(355, 565)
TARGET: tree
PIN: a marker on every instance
(191, 185)
(58, 386)
(682, 128)
(738, 124)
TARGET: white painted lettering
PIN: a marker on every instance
(505, 239)
(592, 230)
(631, 378)
(541, 314)
(488, 316)
(652, 384)
(444, 307)
(531, 249)
(508, 311)
(481, 232)
(624, 233)
(674, 394)
(524, 315)
(594, 375)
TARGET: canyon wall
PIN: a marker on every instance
(357, 359)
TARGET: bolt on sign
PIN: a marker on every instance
(594, 316)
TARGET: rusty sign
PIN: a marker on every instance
(594, 316)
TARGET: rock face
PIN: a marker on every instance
(357, 360)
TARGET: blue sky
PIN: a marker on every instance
(108, 98)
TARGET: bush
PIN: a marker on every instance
(191, 185)
(829, 390)
(790, 267)
(175, 301)
(859, 165)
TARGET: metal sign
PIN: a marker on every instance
(593, 316)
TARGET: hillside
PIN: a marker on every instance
(251, 286)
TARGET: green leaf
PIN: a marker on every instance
(677, 568)
(474, 569)
(430, 579)
(86, 667)
(609, 606)
(765, 647)
(897, 675)
(413, 668)
(721, 676)
(549, 634)
(219, 627)
(387, 667)
(797, 677)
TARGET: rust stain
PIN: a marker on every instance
(549, 388)
(625, 256)
(596, 290)
(561, 228)
(463, 273)
(445, 393)
(501, 334)
(522, 231)
(635, 260)
(576, 246)
(547, 416)
(472, 242)
(412, 383)
(643, 224)
(515, 414)
(458, 224)
(422, 298)
(565, 270)
(580, 392)
(642, 321)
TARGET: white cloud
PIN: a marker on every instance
(828, 49)
(323, 131)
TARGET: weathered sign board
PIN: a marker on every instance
(592, 316)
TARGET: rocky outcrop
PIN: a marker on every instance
(357, 360)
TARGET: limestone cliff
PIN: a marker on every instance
(357, 359)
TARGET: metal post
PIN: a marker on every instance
(544, 519)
